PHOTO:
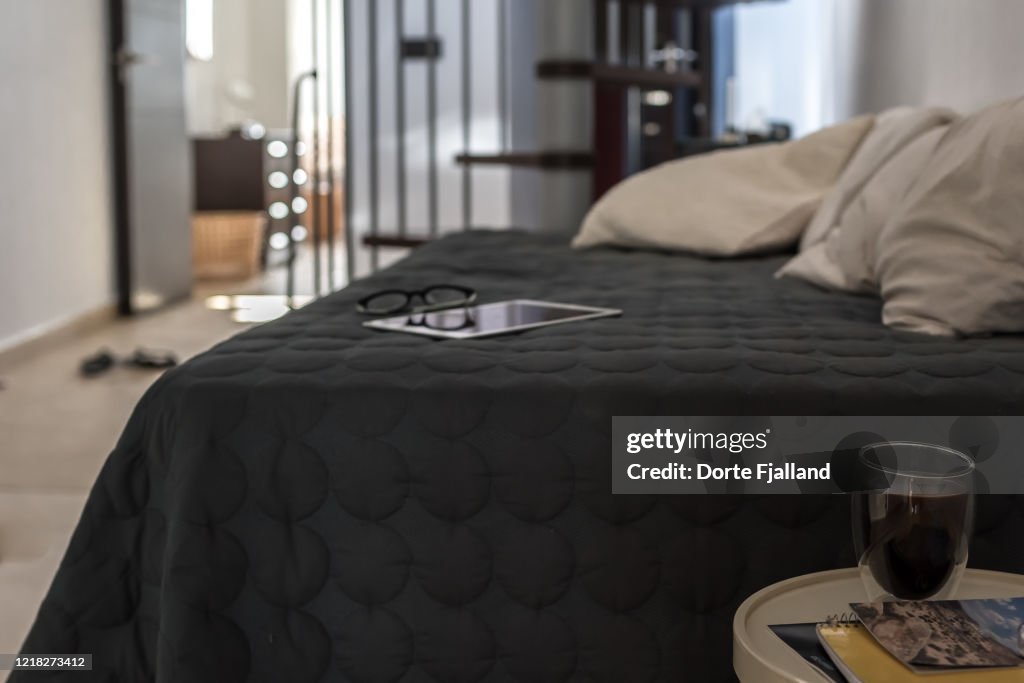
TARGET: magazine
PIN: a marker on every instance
(948, 635)
(860, 659)
(803, 638)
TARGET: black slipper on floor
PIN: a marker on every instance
(152, 360)
(97, 364)
(148, 359)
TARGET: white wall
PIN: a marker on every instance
(56, 235)
(248, 78)
(814, 62)
(959, 53)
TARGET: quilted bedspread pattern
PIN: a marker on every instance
(313, 501)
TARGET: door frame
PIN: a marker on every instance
(117, 33)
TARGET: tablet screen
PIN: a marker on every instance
(490, 319)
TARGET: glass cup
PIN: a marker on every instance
(913, 520)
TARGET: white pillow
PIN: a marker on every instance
(845, 259)
(893, 131)
(952, 260)
(854, 244)
(729, 203)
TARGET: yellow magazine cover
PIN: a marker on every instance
(862, 660)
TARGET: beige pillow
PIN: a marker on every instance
(854, 244)
(730, 203)
(952, 260)
(893, 131)
(845, 259)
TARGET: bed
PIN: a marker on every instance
(314, 501)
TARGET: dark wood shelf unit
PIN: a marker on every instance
(615, 74)
(577, 159)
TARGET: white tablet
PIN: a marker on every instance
(487, 320)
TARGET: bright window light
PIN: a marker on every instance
(299, 205)
(278, 210)
(300, 177)
(199, 29)
(278, 179)
(299, 233)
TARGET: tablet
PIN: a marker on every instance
(488, 320)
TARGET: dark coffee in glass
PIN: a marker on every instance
(912, 527)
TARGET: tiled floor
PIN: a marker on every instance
(57, 428)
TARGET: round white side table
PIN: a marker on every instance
(758, 656)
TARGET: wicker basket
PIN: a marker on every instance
(227, 244)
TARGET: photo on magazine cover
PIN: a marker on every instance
(949, 633)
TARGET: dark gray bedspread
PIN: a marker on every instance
(313, 501)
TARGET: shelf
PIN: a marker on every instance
(614, 74)
(545, 160)
(693, 4)
(393, 240)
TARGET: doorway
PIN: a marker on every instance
(151, 157)
(229, 148)
(264, 96)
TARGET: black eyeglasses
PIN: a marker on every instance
(433, 298)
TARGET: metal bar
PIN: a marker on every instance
(664, 23)
(371, 39)
(432, 122)
(664, 33)
(503, 73)
(706, 58)
(686, 122)
(648, 34)
(314, 195)
(600, 30)
(467, 115)
(635, 34)
(350, 241)
(402, 169)
(331, 146)
(622, 23)
(296, 117)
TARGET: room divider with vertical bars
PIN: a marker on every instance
(649, 74)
